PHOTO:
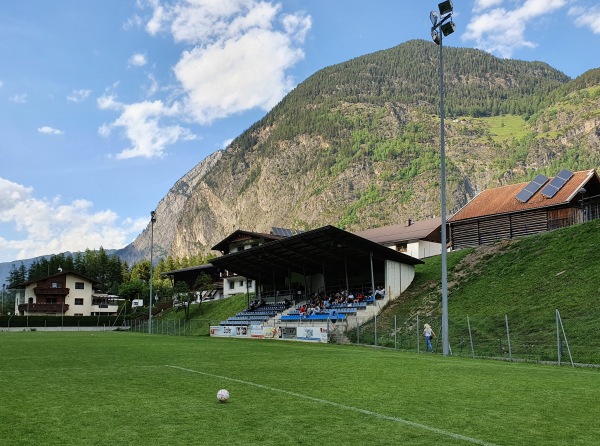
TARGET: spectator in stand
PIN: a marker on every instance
(379, 292)
(333, 315)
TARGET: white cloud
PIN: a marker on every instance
(589, 17)
(143, 126)
(138, 60)
(241, 51)
(50, 131)
(502, 31)
(134, 22)
(237, 75)
(49, 226)
(79, 95)
(480, 5)
(19, 98)
(237, 56)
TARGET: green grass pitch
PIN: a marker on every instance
(117, 388)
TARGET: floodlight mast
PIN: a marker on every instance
(442, 25)
(152, 221)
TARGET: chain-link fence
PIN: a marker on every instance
(173, 327)
(550, 338)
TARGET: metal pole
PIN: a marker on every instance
(558, 350)
(372, 279)
(418, 340)
(508, 338)
(395, 333)
(152, 220)
(471, 337)
(346, 272)
(445, 340)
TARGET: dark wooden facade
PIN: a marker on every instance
(496, 214)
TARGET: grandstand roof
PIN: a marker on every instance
(323, 249)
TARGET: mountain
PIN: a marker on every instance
(356, 145)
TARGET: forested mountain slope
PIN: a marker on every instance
(357, 145)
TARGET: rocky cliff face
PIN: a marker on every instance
(168, 214)
(371, 157)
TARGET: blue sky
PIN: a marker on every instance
(104, 105)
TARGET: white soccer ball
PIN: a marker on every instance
(223, 395)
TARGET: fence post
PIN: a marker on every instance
(558, 349)
(565, 337)
(375, 330)
(418, 343)
(395, 334)
(471, 337)
(508, 338)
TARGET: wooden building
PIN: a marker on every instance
(540, 205)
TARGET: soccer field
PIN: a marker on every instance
(119, 388)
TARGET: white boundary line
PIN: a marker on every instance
(343, 406)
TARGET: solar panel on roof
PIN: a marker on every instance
(283, 232)
(529, 191)
(557, 183)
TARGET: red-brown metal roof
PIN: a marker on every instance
(419, 230)
(502, 200)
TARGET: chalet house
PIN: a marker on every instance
(419, 239)
(63, 294)
(540, 205)
(241, 241)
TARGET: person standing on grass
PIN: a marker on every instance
(428, 333)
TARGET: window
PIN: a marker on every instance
(78, 301)
(249, 283)
(51, 300)
(78, 314)
(79, 285)
(231, 285)
(401, 247)
(241, 283)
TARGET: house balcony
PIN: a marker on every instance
(43, 308)
(48, 291)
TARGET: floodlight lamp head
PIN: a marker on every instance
(153, 216)
(433, 16)
(435, 36)
(445, 7)
(447, 28)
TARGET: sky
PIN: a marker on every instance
(104, 105)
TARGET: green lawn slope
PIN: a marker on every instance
(524, 281)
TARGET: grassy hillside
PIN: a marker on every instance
(524, 280)
(201, 316)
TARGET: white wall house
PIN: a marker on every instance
(63, 294)
(419, 239)
(237, 242)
